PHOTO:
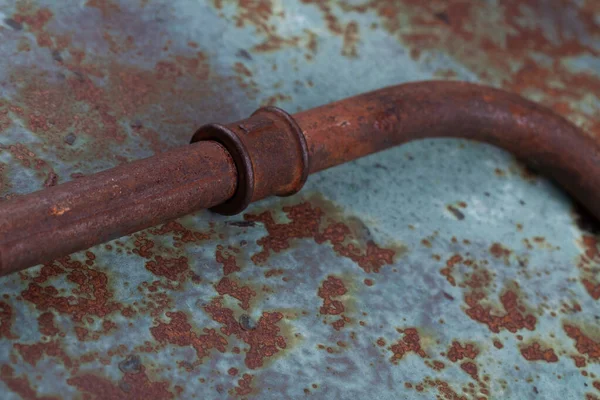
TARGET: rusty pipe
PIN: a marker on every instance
(271, 153)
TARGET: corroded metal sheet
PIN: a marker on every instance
(442, 268)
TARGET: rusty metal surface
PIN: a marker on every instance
(441, 268)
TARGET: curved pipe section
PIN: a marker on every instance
(345, 130)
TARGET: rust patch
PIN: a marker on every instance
(409, 343)
(6, 320)
(588, 263)
(223, 256)
(179, 332)
(181, 234)
(92, 297)
(264, 340)
(447, 271)
(46, 324)
(131, 386)
(535, 352)
(585, 345)
(306, 220)
(470, 368)
(243, 293)
(513, 319)
(170, 268)
(31, 354)
(244, 386)
(499, 251)
(20, 385)
(458, 352)
(333, 287)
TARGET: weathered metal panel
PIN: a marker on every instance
(440, 268)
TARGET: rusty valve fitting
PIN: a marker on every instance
(271, 153)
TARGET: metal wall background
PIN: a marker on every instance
(442, 268)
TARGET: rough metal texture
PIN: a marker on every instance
(441, 268)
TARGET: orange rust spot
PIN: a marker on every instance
(180, 233)
(227, 260)
(6, 320)
(273, 272)
(91, 297)
(57, 211)
(411, 342)
(457, 352)
(244, 385)
(513, 320)
(33, 353)
(243, 293)
(170, 268)
(536, 353)
(500, 251)
(369, 282)
(179, 332)
(138, 385)
(479, 279)
(470, 368)
(20, 385)
(305, 223)
(232, 371)
(583, 344)
(592, 288)
(46, 324)
(332, 287)
(264, 340)
(590, 244)
(498, 344)
(438, 365)
(450, 263)
(579, 361)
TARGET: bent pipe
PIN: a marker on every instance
(271, 153)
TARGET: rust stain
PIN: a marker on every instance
(585, 345)
(535, 352)
(31, 354)
(587, 265)
(470, 368)
(92, 297)
(244, 387)
(46, 324)
(179, 332)
(242, 293)
(333, 287)
(264, 339)
(409, 343)
(513, 319)
(227, 259)
(6, 320)
(306, 220)
(20, 385)
(458, 352)
(131, 386)
(170, 268)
